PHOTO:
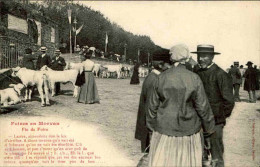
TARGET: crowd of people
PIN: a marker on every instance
(182, 111)
(248, 78)
(88, 92)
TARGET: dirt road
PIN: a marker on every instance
(115, 119)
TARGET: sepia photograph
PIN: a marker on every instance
(129, 83)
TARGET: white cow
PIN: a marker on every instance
(96, 69)
(103, 72)
(61, 76)
(143, 72)
(74, 66)
(11, 95)
(128, 71)
(124, 72)
(114, 68)
(30, 78)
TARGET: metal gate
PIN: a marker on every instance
(11, 51)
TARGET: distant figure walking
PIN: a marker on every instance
(135, 76)
(251, 82)
(236, 79)
(242, 71)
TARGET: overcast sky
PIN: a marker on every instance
(232, 27)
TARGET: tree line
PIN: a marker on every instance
(93, 33)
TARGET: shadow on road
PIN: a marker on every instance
(38, 99)
(66, 92)
(7, 110)
(244, 100)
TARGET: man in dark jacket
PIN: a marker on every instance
(219, 90)
(43, 59)
(236, 80)
(251, 82)
(57, 64)
(28, 59)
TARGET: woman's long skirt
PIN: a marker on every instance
(88, 93)
(135, 78)
(174, 151)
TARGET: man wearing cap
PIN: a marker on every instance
(251, 82)
(177, 111)
(28, 59)
(219, 90)
(58, 64)
(236, 79)
(43, 59)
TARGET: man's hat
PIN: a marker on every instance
(28, 51)
(43, 49)
(236, 63)
(249, 63)
(205, 49)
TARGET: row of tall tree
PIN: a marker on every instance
(93, 33)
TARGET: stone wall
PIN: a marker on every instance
(13, 43)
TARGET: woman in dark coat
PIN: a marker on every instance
(142, 133)
(135, 77)
(28, 59)
(251, 82)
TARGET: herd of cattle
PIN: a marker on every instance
(106, 71)
(46, 78)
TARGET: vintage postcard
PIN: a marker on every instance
(72, 82)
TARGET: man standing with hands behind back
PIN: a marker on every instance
(219, 89)
(57, 64)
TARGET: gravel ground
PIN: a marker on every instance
(116, 115)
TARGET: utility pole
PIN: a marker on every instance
(75, 43)
(148, 59)
(106, 42)
(152, 60)
(69, 16)
(138, 54)
(125, 50)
